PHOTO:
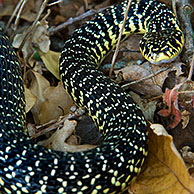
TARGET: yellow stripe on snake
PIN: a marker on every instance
(28, 168)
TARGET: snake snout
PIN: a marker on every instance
(162, 46)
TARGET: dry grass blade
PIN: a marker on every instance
(31, 29)
(191, 69)
(119, 38)
(17, 11)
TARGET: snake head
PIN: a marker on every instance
(162, 46)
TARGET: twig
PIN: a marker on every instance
(174, 8)
(53, 126)
(191, 69)
(119, 38)
(145, 78)
(54, 3)
(186, 92)
(32, 28)
(86, 4)
(46, 16)
(19, 7)
(185, 10)
(18, 15)
(70, 21)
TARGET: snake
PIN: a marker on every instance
(26, 167)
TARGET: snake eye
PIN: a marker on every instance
(163, 46)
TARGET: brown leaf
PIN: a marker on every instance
(38, 85)
(56, 103)
(148, 107)
(51, 102)
(155, 76)
(169, 97)
(185, 115)
(30, 99)
(51, 61)
(31, 10)
(134, 73)
(164, 171)
(7, 10)
(38, 38)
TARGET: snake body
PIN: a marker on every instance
(28, 168)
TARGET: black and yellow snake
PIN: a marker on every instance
(28, 168)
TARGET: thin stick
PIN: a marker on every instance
(145, 78)
(54, 3)
(70, 21)
(191, 69)
(32, 28)
(19, 14)
(86, 4)
(14, 13)
(119, 38)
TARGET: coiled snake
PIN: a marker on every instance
(28, 168)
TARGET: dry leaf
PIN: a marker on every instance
(185, 115)
(135, 72)
(57, 140)
(68, 9)
(132, 46)
(187, 155)
(7, 10)
(147, 107)
(39, 39)
(51, 102)
(164, 171)
(152, 86)
(56, 103)
(27, 48)
(31, 10)
(51, 61)
(47, 106)
(180, 103)
(30, 99)
(171, 99)
(38, 85)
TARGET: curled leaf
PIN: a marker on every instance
(164, 170)
(171, 99)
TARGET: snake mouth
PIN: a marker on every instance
(163, 46)
(162, 59)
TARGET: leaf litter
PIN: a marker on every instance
(165, 93)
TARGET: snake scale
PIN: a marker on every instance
(28, 168)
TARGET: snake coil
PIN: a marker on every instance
(28, 168)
